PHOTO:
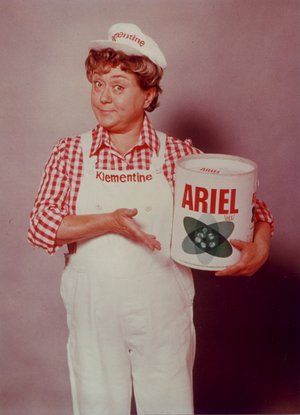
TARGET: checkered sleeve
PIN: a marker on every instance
(263, 214)
(177, 148)
(51, 204)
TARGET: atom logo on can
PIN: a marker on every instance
(203, 238)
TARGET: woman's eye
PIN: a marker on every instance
(98, 84)
(118, 88)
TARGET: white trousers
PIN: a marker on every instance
(119, 338)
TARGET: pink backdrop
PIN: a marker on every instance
(232, 85)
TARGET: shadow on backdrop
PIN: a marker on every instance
(200, 129)
(248, 342)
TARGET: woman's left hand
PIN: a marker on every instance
(253, 256)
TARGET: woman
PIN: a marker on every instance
(108, 195)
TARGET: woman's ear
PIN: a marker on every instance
(149, 96)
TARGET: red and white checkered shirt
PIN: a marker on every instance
(60, 183)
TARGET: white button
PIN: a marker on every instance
(148, 208)
(98, 206)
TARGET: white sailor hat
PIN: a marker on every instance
(131, 40)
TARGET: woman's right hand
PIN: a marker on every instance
(124, 224)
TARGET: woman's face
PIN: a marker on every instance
(118, 101)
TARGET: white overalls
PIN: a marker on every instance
(129, 309)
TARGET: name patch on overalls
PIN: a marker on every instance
(123, 177)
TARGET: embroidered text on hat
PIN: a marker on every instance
(129, 38)
(132, 37)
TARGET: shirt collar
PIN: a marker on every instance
(147, 138)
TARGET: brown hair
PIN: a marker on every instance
(147, 73)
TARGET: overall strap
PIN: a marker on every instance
(159, 161)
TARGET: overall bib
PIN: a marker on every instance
(129, 310)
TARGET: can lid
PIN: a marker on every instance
(223, 164)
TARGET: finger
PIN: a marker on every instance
(131, 212)
(230, 271)
(132, 230)
(142, 237)
(236, 272)
(155, 242)
(151, 242)
(240, 245)
(242, 273)
(157, 245)
(154, 246)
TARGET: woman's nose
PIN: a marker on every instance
(105, 95)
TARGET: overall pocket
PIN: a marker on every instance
(184, 280)
(68, 289)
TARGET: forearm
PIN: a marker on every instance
(262, 239)
(263, 214)
(262, 233)
(75, 228)
(52, 202)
